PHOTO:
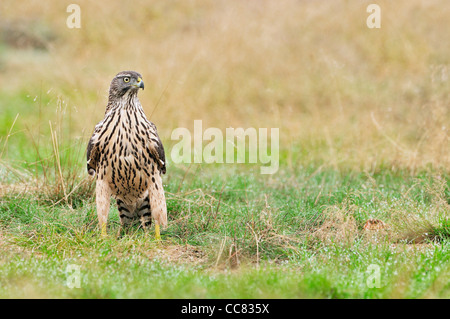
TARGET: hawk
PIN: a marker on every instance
(127, 155)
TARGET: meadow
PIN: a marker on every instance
(363, 117)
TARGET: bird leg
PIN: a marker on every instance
(157, 203)
(157, 233)
(103, 194)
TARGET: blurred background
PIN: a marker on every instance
(343, 95)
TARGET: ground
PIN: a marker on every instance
(258, 243)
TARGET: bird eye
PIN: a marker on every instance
(126, 80)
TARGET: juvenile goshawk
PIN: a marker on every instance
(127, 155)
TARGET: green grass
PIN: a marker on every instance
(322, 274)
(235, 235)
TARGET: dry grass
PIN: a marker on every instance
(341, 94)
(407, 223)
(339, 227)
(415, 226)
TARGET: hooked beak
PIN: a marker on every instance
(140, 83)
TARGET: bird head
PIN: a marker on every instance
(126, 82)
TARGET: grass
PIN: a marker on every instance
(363, 118)
(246, 239)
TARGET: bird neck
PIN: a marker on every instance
(129, 101)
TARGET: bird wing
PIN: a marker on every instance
(92, 152)
(156, 191)
(92, 157)
(157, 148)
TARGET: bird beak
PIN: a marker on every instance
(140, 83)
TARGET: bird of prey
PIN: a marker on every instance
(127, 155)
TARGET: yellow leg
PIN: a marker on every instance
(104, 234)
(157, 233)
